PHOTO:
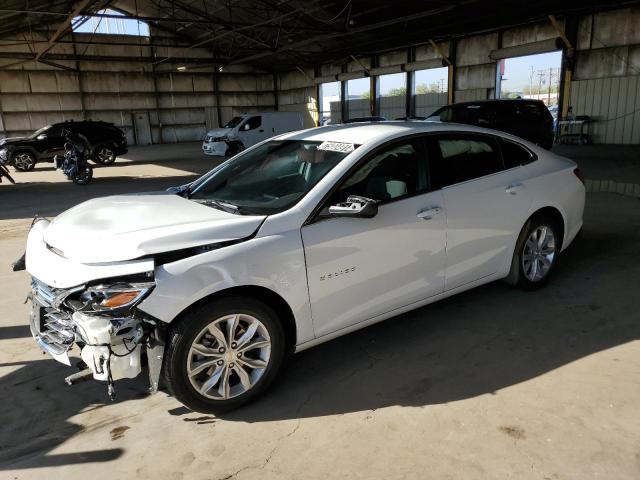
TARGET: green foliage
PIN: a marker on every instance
(424, 88)
(395, 92)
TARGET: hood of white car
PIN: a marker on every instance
(219, 132)
(124, 227)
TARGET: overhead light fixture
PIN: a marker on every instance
(182, 68)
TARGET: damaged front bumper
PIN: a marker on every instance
(76, 304)
(111, 347)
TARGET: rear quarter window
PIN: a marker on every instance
(514, 155)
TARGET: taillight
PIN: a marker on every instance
(579, 174)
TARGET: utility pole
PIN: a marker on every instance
(541, 75)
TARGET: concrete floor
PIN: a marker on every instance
(493, 383)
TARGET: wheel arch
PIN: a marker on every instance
(27, 149)
(555, 214)
(511, 267)
(269, 297)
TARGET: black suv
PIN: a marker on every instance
(106, 141)
(528, 119)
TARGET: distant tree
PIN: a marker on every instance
(395, 92)
(535, 91)
(431, 88)
(366, 95)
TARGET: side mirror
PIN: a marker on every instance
(355, 206)
(41, 137)
(246, 127)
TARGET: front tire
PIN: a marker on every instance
(234, 149)
(224, 354)
(24, 161)
(83, 175)
(536, 253)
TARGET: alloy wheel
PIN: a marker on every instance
(539, 253)
(105, 155)
(229, 356)
(23, 161)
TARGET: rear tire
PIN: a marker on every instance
(24, 161)
(103, 155)
(536, 253)
(224, 354)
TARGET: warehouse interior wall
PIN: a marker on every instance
(606, 80)
(183, 104)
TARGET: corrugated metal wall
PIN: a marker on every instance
(427, 103)
(606, 83)
(614, 105)
(393, 107)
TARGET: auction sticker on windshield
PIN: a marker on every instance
(337, 147)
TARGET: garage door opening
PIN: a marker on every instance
(330, 109)
(358, 97)
(392, 95)
(430, 90)
(531, 76)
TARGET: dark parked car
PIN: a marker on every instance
(528, 119)
(106, 142)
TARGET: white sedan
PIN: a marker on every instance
(297, 240)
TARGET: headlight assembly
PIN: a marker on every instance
(115, 297)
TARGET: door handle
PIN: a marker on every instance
(429, 213)
(261, 130)
(514, 188)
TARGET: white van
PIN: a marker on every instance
(248, 129)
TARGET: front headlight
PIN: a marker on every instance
(115, 297)
(220, 139)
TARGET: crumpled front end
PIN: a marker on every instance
(98, 315)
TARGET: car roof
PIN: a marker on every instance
(364, 133)
(494, 102)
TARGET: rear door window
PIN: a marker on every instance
(458, 158)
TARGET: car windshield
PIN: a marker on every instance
(270, 178)
(40, 131)
(234, 122)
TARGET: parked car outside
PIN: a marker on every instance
(298, 240)
(246, 130)
(528, 119)
(106, 142)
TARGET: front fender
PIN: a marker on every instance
(274, 262)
